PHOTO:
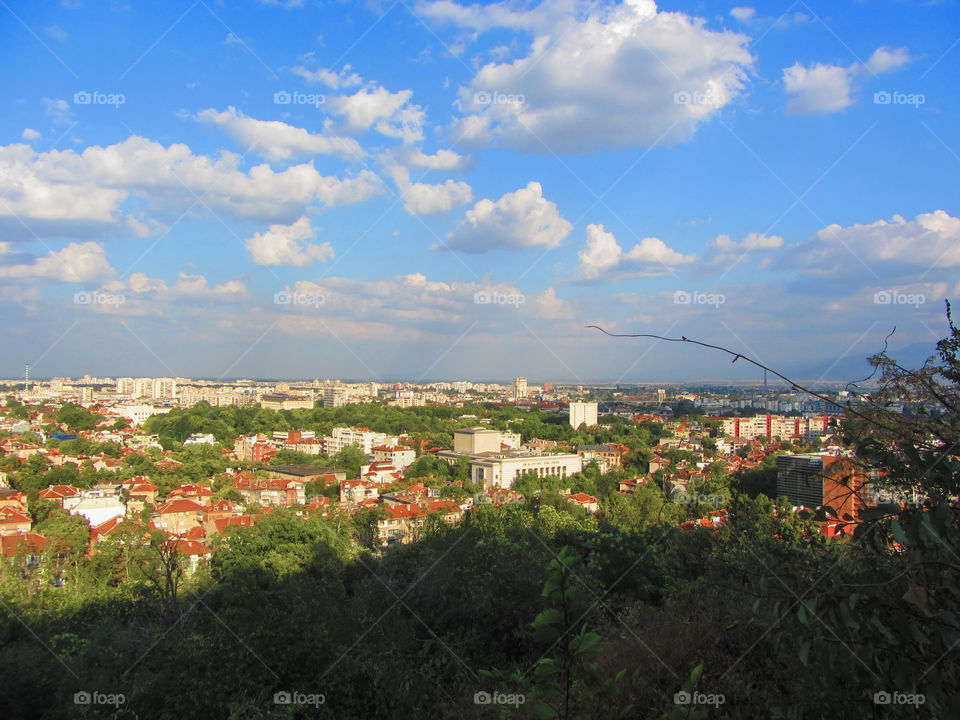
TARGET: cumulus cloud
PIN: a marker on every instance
(91, 186)
(77, 262)
(596, 75)
(602, 257)
(930, 240)
(822, 89)
(333, 80)
(425, 198)
(551, 307)
(285, 245)
(518, 220)
(58, 110)
(442, 159)
(884, 59)
(277, 140)
(742, 13)
(389, 113)
(29, 134)
(724, 252)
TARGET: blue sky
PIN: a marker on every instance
(445, 190)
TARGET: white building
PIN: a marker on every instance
(583, 413)
(362, 438)
(136, 414)
(519, 388)
(97, 505)
(334, 397)
(397, 455)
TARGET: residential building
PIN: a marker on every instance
(583, 413)
(334, 397)
(362, 438)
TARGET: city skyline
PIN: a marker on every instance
(437, 190)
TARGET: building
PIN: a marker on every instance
(362, 438)
(136, 414)
(519, 388)
(334, 397)
(814, 480)
(472, 441)
(283, 401)
(400, 456)
(583, 413)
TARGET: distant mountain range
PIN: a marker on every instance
(855, 366)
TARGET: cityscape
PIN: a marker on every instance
(556, 359)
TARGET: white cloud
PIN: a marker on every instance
(56, 32)
(386, 112)
(724, 252)
(884, 59)
(284, 245)
(333, 80)
(929, 241)
(822, 89)
(58, 110)
(596, 76)
(425, 198)
(743, 14)
(602, 258)
(518, 220)
(819, 89)
(277, 140)
(442, 159)
(29, 134)
(550, 307)
(90, 186)
(77, 262)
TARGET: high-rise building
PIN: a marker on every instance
(583, 413)
(815, 480)
(334, 397)
(519, 388)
